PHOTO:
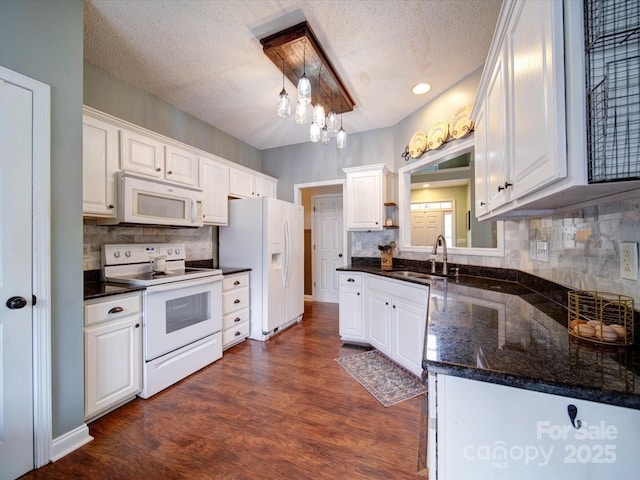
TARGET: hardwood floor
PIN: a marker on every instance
(281, 409)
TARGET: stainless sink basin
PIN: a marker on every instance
(410, 274)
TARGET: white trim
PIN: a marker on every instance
(447, 152)
(297, 199)
(41, 140)
(70, 441)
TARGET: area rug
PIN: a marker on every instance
(388, 382)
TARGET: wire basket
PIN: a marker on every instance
(601, 317)
(612, 44)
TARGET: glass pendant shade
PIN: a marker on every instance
(341, 138)
(314, 132)
(304, 89)
(332, 123)
(284, 105)
(318, 115)
(324, 135)
(301, 113)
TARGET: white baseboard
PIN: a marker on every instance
(70, 441)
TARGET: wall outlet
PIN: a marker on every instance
(358, 245)
(629, 260)
(540, 251)
(86, 249)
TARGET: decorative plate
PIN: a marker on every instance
(437, 135)
(418, 144)
(461, 125)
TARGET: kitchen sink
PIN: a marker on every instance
(410, 274)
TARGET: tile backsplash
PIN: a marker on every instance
(198, 241)
(582, 247)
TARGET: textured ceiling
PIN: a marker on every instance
(205, 57)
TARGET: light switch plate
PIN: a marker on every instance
(629, 260)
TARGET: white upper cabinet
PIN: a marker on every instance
(214, 181)
(181, 166)
(248, 184)
(519, 113)
(530, 115)
(146, 155)
(141, 154)
(99, 163)
(365, 195)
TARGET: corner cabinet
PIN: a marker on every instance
(350, 294)
(112, 352)
(365, 193)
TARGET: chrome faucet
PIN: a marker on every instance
(444, 252)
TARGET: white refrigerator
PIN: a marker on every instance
(266, 235)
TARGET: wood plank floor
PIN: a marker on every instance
(281, 409)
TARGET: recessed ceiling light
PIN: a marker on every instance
(426, 185)
(421, 88)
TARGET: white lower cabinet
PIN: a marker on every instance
(484, 430)
(396, 312)
(352, 327)
(235, 309)
(112, 352)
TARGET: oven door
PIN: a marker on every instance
(179, 313)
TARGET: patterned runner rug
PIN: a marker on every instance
(388, 382)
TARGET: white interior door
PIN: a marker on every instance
(16, 385)
(327, 241)
(426, 225)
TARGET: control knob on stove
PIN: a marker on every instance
(169, 252)
(127, 254)
(177, 251)
(116, 254)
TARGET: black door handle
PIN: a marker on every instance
(16, 303)
(339, 255)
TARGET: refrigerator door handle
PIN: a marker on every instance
(287, 257)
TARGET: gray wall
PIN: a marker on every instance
(111, 95)
(43, 40)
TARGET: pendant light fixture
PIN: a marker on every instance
(301, 112)
(304, 85)
(341, 137)
(332, 120)
(284, 104)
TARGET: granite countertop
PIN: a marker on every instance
(502, 332)
(232, 270)
(100, 289)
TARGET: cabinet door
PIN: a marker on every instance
(214, 181)
(480, 164)
(497, 135)
(241, 184)
(99, 163)
(141, 154)
(408, 324)
(536, 90)
(350, 307)
(181, 166)
(265, 187)
(364, 207)
(378, 307)
(532, 438)
(113, 363)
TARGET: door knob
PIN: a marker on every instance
(15, 303)
(339, 255)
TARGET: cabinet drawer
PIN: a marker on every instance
(235, 281)
(235, 318)
(234, 334)
(235, 300)
(350, 280)
(117, 307)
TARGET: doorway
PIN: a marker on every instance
(304, 194)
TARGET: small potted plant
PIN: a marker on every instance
(386, 254)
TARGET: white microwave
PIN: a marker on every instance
(142, 200)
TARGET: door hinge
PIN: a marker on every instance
(314, 209)
(34, 300)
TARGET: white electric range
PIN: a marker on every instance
(182, 309)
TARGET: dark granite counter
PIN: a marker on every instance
(232, 270)
(503, 332)
(104, 289)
